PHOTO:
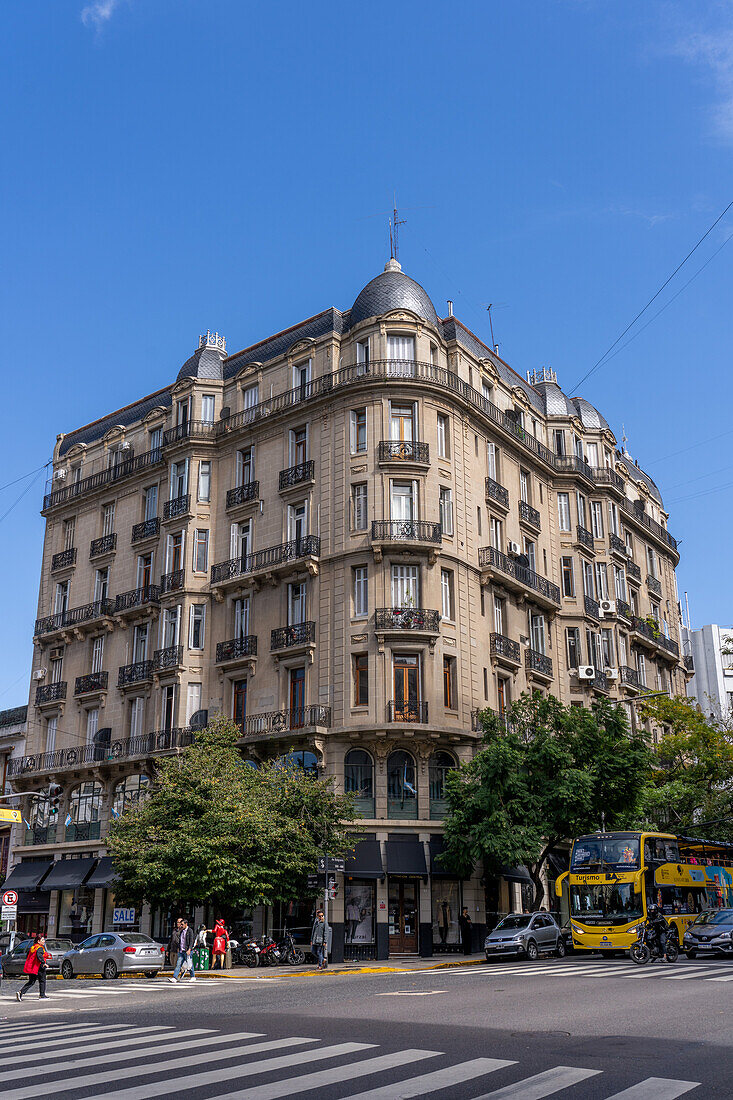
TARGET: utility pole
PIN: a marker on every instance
(325, 906)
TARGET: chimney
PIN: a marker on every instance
(450, 308)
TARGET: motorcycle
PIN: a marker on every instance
(269, 952)
(289, 953)
(643, 952)
(245, 954)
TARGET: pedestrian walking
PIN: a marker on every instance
(201, 958)
(321, 939)
(464, 922)
(35, 967)
(184, 959)
(221, 943)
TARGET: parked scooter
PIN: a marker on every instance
(642, 952)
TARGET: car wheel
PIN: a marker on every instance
(560, 949)
(151, 973)
(532, 952)
(67, 970)
(692, 954)
(109, 970)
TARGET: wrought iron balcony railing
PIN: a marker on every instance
(407, 712)
(286, 636)
(146, 530)
(104, 545)
(572, 464)
(294, 475)
(148, 593)
(94, 681)
(670, 645)
(585, 538)
(113, 474)
(404, 450)
(307, 546)
(75, 616)
(616, 543)
(64, 559)
(407, 618)
(136, 673)
(623, 609)
(179, 506)
(538, 662)
(628, 507)
(404, 530)
(501, 646)
(591, 607)
(243, 494)
(629, 676)
(495, 491)
(40, 834)
(632, 570)
(529, 514)
(689, 662)
(283, 721)
(654, 585)
(171, 582)
(608, 477)
(170, 657)
(489, 556)
(146, 744)
(192, 429)
(83, 830)
(600, 681)
(236, 647)
(50, 693)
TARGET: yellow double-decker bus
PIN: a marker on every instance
(615, 877)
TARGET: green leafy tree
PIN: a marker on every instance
(217, 830)
(691, 787)
(545, 773)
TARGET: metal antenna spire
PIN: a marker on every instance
(396, 222)
(624, 437)
(491, 325)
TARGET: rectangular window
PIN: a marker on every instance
(530, 550)
(137, 713)
(296, 603)
(405, 586)
(144, 570)
(478, 519)
(402, 423)
(524, 486)
(558, 442)
(592, 454)
(652, 562)
(360, 596)
(486, 684)
(241, 617)
(443, 436)
(498, 615)
(582, 511)
(613, 522)
(193, 701)
(502, 694)
(239, 703)
(401, 353)
(98, 653)
(446, 592)
(641, 668)
(51, 727)
(607, 648)
(362, 356)
(361, 680)
(61, 598)
(537, 632)
(174, 552)
(251, 396)
(568, 579)
(196, 626)
(403, 501)
(68, 531)
(593, 642)
(150, 502)
(629, 540)
(207, 408)
(619, 582)
(204, 491)
(601, 580)
(168, 707)
(101, 584)
(179, 479)
(245, 470)
(449, 683)
(358, 431)
(298, 446)
(200, 551)
(170, 626)
(56, 665)
(563, 511)
(486, 390)
(496, 533)
(572, 642)
(446, 510)
(183, 412)
(622, 651)
(108, 519)
(492, 461)
(92, 724)
(297, 521)
(302, 377)
(579, 448)
(140, 643)
(596, 519)
(156, 439)
(359, 517)
(589, 586)
(240, 539)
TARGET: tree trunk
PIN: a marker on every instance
(535, 873)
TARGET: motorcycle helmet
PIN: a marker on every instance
(653, 911)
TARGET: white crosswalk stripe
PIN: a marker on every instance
(667, 971)
(165, 1061)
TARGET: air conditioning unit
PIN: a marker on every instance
(608, 607)
(57, 653)
(515, 548)
(611, 673)
(586, 672)
(40, 674)
(124, 446)
(523, 640)
(60, 475)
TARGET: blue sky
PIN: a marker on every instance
(176, 165)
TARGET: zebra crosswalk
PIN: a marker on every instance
(73, 991)
(676, 972)
(128, 1062)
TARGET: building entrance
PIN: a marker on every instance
(402, 908)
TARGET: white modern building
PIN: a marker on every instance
(712, 682)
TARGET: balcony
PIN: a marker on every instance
(572, 464)
(88, 485)
(529, 515)
(137, 597)
(649, 632)
(592, 609)
(289, 637)
(286, 721)
(170, 657)
(63, 559)
(40, 834)
(654, 585)
(622, 608)
(496, 493)
(689, 663)
(633, 572)
(148, 529)
(138, 673)
(243, 494)
(179, 506)
(585, 539)
(505, 650)
(617, 545)
(630, 509)
(104, 545)
(236, 649)
(417, 534)
(50, 693)
(600, 682)
(538, 664)
(404, 450)
(407, 712)
(630, 677)
(269, 561)
(75, 617)
(297, 475)
(192, 429)
(610, 478)
(145, 745)
(397, 619)
(93, 682)
(520, 578)
(83, 830)
(172, 582)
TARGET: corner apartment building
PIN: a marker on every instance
(350, 537)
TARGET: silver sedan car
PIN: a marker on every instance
(113, 953)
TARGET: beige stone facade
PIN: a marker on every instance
(351, 538)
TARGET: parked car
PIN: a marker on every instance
(14, 959)
(113, 953)
(9, 940)
(711, 933)
(525, 935)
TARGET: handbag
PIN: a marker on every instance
(187, 965)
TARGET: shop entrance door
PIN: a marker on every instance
(403, 917)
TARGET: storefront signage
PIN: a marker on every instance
(123, 916)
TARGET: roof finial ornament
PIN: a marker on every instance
(624, 440)
(213, 340)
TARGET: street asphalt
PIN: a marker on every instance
(581, 1028)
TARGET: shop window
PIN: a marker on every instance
(360, 904)
(359, 781)
(446, 909)
(76, 909)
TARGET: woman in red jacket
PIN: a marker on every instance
(221, 942)
(35, 967)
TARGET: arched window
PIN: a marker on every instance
(440, 764)
(42, 824)
(401, 786)
(128, 792)
(359, 781)
(307, 761)
(85, 809)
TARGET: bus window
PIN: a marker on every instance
(658, 849)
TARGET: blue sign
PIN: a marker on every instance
(123, 916)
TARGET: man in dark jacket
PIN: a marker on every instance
(183, 939)
(464, 922)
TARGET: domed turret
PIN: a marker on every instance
(589, 415)
(392, 290)
(206, 361)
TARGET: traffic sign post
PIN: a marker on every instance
(9, 912)
(10, 897)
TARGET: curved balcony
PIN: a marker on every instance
(137, 597)
(420, 619)
(104, 545)
(291, 637)
(418, 534)
(407, 712)
(192, 429)
(403, 450)
(63, 559)
(297, 475)
(529, 515)
(243, 494)
(148, 529)
(496, 493)
(519, 578)
(278, 722)
(179, 506)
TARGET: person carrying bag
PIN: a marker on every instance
(35, 966)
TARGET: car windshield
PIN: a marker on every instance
(593, 852)
(59, 945)
(135, 937)
(715, 916)
(612, 904)
(513, 922)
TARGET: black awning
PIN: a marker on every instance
(67, 874)
(365, 861)
(406, 857)
(516, 874)
(102, 875)
(439, 868)
(558, 863)
(26, 876)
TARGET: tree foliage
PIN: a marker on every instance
(216, 830)
(545, 773)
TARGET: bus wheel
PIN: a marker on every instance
(692, 954)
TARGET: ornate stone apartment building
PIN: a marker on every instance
(350, 537)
